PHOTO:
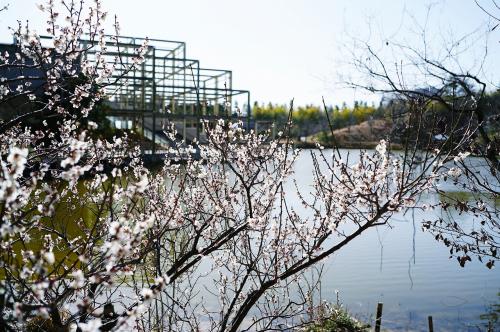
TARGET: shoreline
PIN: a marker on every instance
(345, 145)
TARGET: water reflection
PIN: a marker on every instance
(406, 269)
(491, 319)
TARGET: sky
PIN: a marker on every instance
(282, 49)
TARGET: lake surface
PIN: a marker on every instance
(402, 266)
(407, 270)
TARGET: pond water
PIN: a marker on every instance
(401, 266)
(407, 270)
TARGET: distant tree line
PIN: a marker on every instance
(310, 119)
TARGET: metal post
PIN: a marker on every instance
(204, 100)
(184, 79)
(134, 97)
(164, 82)
(249, 111)
(216, 106)
(378, 320)
(197, 110)
(229, 98)
(431, 325)
(143, 100)
(153, 130)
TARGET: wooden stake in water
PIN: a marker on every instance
(431, 325)
(378, 320)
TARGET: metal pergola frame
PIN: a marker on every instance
(167, 84)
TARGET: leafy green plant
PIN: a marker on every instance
(339, 320)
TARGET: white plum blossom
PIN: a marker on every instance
(381, 147)
(454, 172)
(91, 326)
(147, 295)
(49, 257)
(142, 184)
(12, 169)
(77, 149)
(78, 279)
(17, 160)
(461, 156)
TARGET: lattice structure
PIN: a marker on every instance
(167, 86)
